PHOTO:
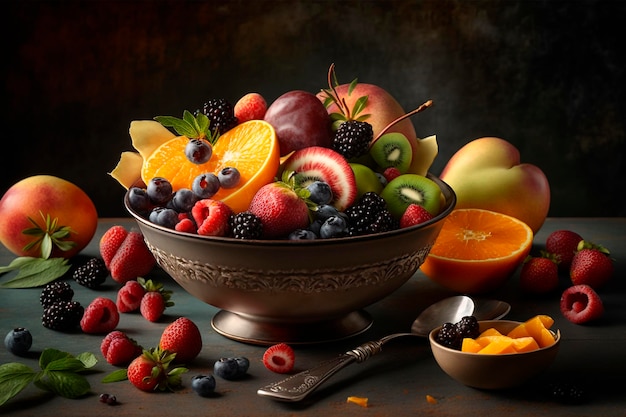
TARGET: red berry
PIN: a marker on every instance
(110, 242)
(391, 173)
(414, 214)
(129, 297)
(101, 316)
(211, 217)
(563, 244)
(183, 338)
(151, 372)
(539, 275)
(580, 304)
(133, 259)
(280, 209)
(279, 358)
(186, 225)
(252, 106)
(592, 267)
(118, 349)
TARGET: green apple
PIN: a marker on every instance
(366, 179)
(487, 173)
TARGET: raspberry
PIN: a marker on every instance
(55, 291)
(580, 304)
(91, 274)
(101, 316)
(129, 297)
(246, 225)
(212, 217)
(63, 316)
(118, 349)
(279, 358)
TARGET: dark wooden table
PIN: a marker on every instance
(396, 381)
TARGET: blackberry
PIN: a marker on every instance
(55, 291)
(383, 222)
(221, 114)
(246, 225)
(468, 327)
(449, 336)
(91, 274)
(364, 212)
(352, 138)
(63, 316)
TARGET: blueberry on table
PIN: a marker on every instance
(18, 341)
(203, 385)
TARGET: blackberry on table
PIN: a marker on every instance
(449, 336)
(91, 274)
(63, 316)
(246, 225)
(221, 114)
(468, 327)
(55, 291)
(352, 138)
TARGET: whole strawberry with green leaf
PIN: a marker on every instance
(151, 371)
(591, 265)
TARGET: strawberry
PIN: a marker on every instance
(110, 242)
(279, 358)
(539, 275)
(414, 214)
(280, 209)
(183, 338)
(155, 301)
(119, 349)
(391, 173)
(212, 217)
(563, 244)
(580, 304)
(129, 297)
(591, 265)
(151, 371)
(100, 316)
(252, 106)
(133, 259)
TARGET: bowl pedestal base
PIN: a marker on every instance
(251, 330)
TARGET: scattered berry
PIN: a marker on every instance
(118, 349)
(55, 291)
(414, 214)
(231, 368)
(18, 341)
(246, 225)
(63, 316)
(91, 274)
(129, 297)
(563, 244)
(108, 399)
(591, 265)
(151, 371)
(212, 217)
(183, 338)
(566, 393)
(100, 316)
(252, 106)
(581, 304)
(279, 358)
(229, 177)
(539, 275)
(203, 385)
(155, 301)
(198, 151)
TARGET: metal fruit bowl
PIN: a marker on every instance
(298, 292)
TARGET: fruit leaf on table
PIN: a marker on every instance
(34, 272)
(60, 374)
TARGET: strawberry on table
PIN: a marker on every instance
(183, 338)
(155, 301)
(539, 275)
(581, 304)
(151, 371)
(563, 244)
(279, 358)
(129, 296)
(591, 265)
(125, 254)
(110, 242)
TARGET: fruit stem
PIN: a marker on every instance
(421, 108)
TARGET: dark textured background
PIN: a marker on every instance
(546, 75)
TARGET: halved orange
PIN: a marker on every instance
(251, 147)
(477, 250)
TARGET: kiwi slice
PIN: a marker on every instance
(392, 150)
(411, 189)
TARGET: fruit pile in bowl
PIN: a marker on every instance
(290, 218)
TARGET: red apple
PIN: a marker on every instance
(50, 196)
(487, 173)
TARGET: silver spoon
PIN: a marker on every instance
(300, 385)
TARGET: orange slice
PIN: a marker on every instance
(251, 147)
(477, 250)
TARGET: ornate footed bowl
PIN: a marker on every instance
(298, 292)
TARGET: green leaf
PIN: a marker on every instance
(66, 383)
(36, 272)
(14, 377)
(66, 364)
(17, 263)
(181, 126)
(115, 376)
(88, 359)
(50, 355)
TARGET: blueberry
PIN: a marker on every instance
(382, 179)
(226, 368)
(334, 226)
(138, 200)
(203, 385)
(243, 364)
(159, 190)
(205, 185)
(183, 200)
(302, 234)
(165, 217)
(18, 341)
(229, 177)
(325, 211)
(198, 151)
(320, 192)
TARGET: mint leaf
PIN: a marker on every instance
(64, 383)
(14, 377)
(88, 359)
(115, 376)
(65, 364)
(36, 272)
(16, 263)
(50, 355)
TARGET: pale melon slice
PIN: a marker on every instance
(424, 155)
(148, 135)
(128, 170)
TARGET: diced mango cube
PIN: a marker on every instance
(519, 331)
(546, 320)
(498, 345)
(470, 345)
(490, 332)
(546, 339)
(535, 328)
(525, 344)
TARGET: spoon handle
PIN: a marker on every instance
(298, 386)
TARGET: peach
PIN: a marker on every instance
(46, 195)
(487, 174)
